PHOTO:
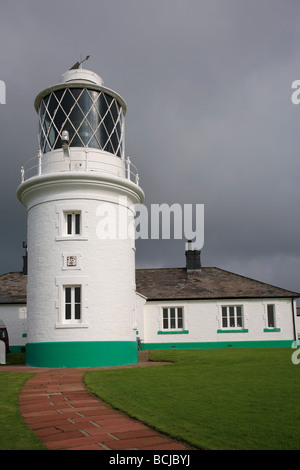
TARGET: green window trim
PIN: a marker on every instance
(271, 330)
(233, 331)
(183, 332)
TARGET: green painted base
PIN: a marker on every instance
(217, 345)
(17, 349)
(82, 354)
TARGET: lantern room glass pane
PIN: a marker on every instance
(92, 118)
(67, 101)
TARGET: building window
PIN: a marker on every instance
(232, 316)
(173, 318)
(72, 302)
(271, 316)
(73, 223)
(271, 320)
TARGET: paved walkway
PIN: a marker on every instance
(65, 416)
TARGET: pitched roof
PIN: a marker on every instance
(207, 283)
(13, 288)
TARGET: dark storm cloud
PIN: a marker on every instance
(210, 118)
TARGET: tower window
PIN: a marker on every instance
(71, 303)
(73, 223)
(72, 299)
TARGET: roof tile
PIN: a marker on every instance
(13, 288)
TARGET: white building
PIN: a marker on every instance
(203, 307)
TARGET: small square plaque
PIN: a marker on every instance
(71, 260)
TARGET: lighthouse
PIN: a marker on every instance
(80, 192)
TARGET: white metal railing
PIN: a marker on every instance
(42, 164)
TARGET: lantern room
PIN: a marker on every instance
(87, 112)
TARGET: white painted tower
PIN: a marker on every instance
(79, 193)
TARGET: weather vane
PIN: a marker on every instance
(78, 64)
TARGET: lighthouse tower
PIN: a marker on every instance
(80, 192)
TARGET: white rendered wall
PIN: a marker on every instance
(140, 302)
(202, 320)
(79, 159)
(15, 319)
(298, 326)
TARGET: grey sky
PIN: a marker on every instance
(210, 118)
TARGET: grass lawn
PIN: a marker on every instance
(213, 399)
(14, 433)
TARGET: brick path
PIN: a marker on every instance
(65, 416)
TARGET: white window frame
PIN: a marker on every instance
(72, 302)
(73, 210)
(276, 318)
(71, 282)
(72, 229)
(172, 318)
(232, 317)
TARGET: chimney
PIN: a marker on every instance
(193, 261)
